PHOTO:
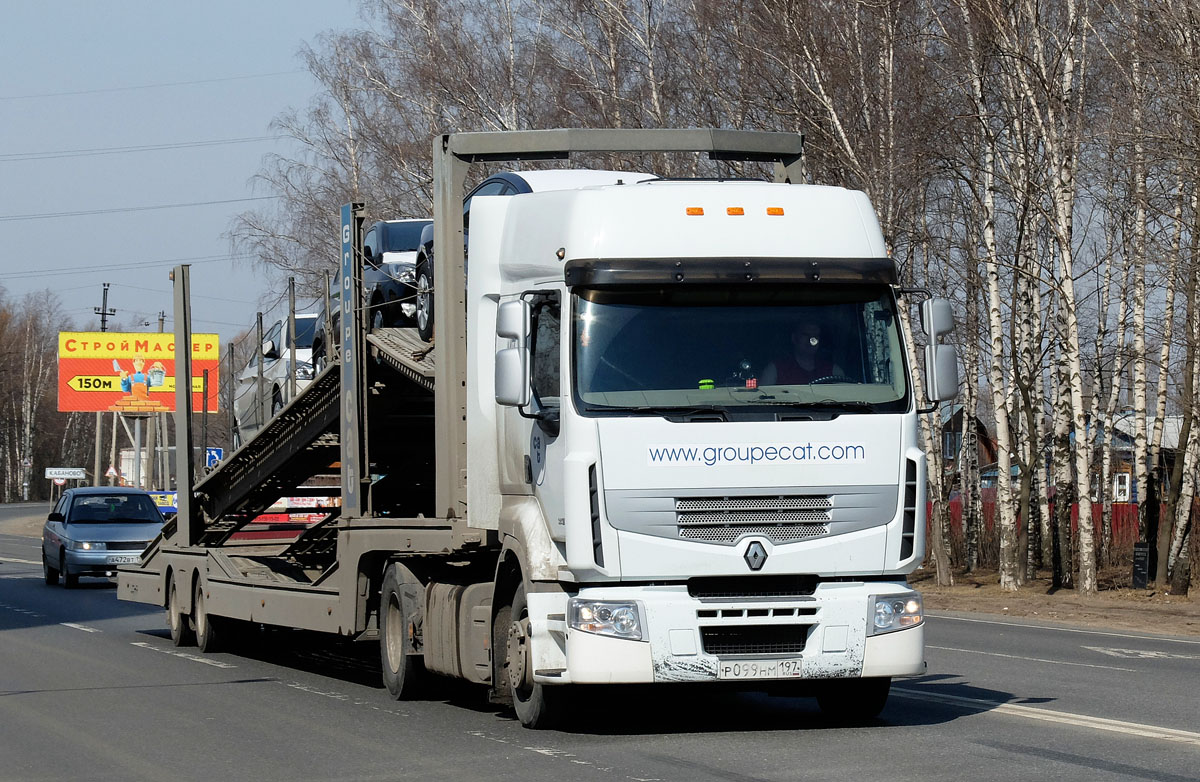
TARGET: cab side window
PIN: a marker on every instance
(546, 335)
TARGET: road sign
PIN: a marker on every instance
(213, 456)
(72, 473)
(60, 481)
(112, 472)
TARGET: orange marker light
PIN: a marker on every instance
(775, 211)
(695, 210)
(735, 210)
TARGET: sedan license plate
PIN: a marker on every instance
(123, 559)
(759, 669)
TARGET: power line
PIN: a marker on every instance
(115, 210)
(105, 268)
(67, 153)
(148, 86)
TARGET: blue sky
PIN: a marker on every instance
(241, 66)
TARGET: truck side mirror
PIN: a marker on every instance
(937, 318)
(512, 363)
(941, 361)
(941, 372)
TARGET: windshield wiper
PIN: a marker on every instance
(663, 410)
(824, 406)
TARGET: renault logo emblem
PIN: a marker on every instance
(756, 556)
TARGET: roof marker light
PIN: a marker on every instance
(695, 210)
(735, 210)
(775, 211)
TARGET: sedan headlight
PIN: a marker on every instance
(87, 545)
(616, 618)
(407, 276)
(895, 612)
(304, 371)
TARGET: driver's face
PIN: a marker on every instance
(806, 336)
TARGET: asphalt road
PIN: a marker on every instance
(91, 688)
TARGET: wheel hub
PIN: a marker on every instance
(518, 655)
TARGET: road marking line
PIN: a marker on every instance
(1061, 717)
(184, 655)
(1142, 654)
(1031, 659)
(19, 561)
(1067, 629)
(84, 628)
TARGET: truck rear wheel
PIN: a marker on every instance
(209, 632)
(538, 706)
(403, 669)
(853, 700)
(181, 632)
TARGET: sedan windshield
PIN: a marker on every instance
(113, 509)
(403, 237)
(651, 351)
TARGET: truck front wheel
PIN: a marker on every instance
(538, 706)
(853, 700)
(403, 669)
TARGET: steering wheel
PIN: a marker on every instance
(831, 379)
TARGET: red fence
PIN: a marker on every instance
(1124, 529)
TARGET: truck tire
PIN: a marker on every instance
(537, 706)
(853, 700)
(424, 285)
(177, 622)
(209, 629)
(403, 669)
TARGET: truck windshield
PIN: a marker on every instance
(830, 346)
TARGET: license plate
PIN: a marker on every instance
(759, 669)
(125, 559)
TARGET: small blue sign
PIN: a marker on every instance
(213, 456)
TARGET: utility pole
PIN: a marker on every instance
(104, 312)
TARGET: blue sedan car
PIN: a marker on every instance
(91, 531)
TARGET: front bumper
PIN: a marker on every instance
(822, 636)
(99, 563)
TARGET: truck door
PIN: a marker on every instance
(546, 449)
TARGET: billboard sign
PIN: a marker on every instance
(131, 373)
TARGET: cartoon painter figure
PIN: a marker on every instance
(140, 381)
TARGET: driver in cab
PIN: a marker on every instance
(810, 360)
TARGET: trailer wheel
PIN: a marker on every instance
(210, 630)
(853, 700)
(403, 669)
(537, 706)
(181, 633)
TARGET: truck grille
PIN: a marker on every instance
(728, 519)
(754, 639)
(751, 587)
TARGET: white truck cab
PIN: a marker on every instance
(638, 430)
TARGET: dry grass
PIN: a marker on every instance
(1116, 606)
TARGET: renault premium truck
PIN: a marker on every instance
(666, 433)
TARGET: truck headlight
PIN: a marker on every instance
(616, 618)
(87, 545)
(895, 612)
